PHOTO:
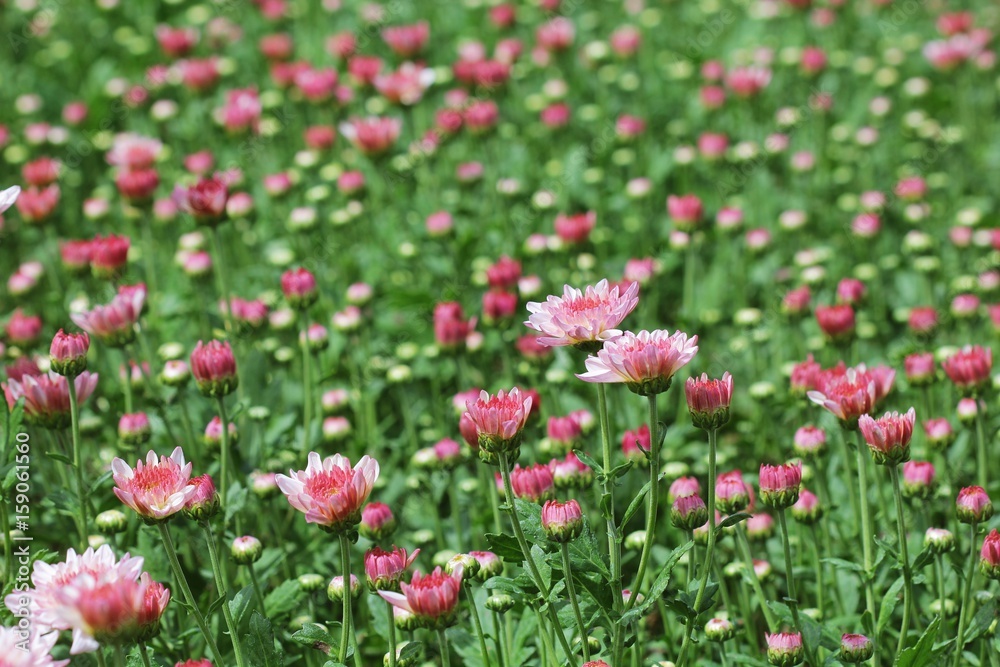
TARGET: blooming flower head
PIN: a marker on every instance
(372, 135)
(562, 521)
(570, 472)
(329, 491)
(847, 397)
(205, 201)
(779, 485)
(969, 369)
(46, 397)
(384, 569)
(156, 489)
(8, 197)
(889, 436)
(708, 400)
(154, 603)
(646, 362)
(499, 421)
(101, 612)
(114, 323)
(582, 318)
(31, 649)
(635, 444)
(431, 598)
(57, 588)
(784, 649)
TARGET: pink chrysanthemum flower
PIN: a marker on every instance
(329, 491)
(100, 612)
(889, 436)
(499, 420)
(384, 569)
(848, 396)
(431, 598)
(114, 324)
(35, 650)
(583, 319)
(646, 362)
(156, 489)
(46, 397)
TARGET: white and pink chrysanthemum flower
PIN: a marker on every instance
(499, 419)
(584, 318)
(889, 436)
(431, 598)
(46, 397)
(645, 362)
(33, 651)
(156, 489)
(848, 396)
(330, 492)
(114, 323)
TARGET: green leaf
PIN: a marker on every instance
(544, 569)
(238, 605)
(589, 461)
(634, 506)
(732, 520)
(505, 546)
(530, 515)
(842, 564)
(62, 458)
(411, 652)
(503, 584)
(923, 559)
(868, 623)
(889, 601)
(259, 642)
(283, 598)
(236, 500)
(621, 470)
(982, 621)
(658, 586)
(924, 652)
(317, 637)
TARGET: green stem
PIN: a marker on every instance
(744, 545)
(709, 551)
(488, 485)
(904, 557)
(81, 489)
(653, 500)
(793, 601)
(528, 558)
(221, 588)
(498, 640)
(306, 383)
(867, 537)
(175, 566)
(476, 623)
(256, 587)
(119, 656)
(345, 566)
(127, 382)
(392, 635)
(224, 473)
(939, 569)
(144, 655)
(100, 658)
(222, 278)
(8, 551)
(614, 548)
(443, 643)
(818, 568)
(963, 617)
(571, 592)
(981, 462)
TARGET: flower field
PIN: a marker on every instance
(548, 333)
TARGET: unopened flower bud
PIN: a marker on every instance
(335, 591)
(500, 603)
(784, 649)
(111, 522)
(856, 648)
(134, 429)
(204, 503)
(719, 630)
(939, 540)
(377, 522)
(973, 505)
(466, 563)
(688, 512)
(562, 521)
(246, 550)
(490, 564)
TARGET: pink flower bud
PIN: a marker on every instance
(562, 521)
(973, 505)
(68, 353)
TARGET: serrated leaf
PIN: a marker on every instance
(261, 650)
(923, 559)
(239, 604)
(544, 570)
(503, 584)
(283, 598)
(842, 564)
(924, 652)
(505, 546)
(889, 601)
(982, 621)
(530, 516)
(315, 636)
